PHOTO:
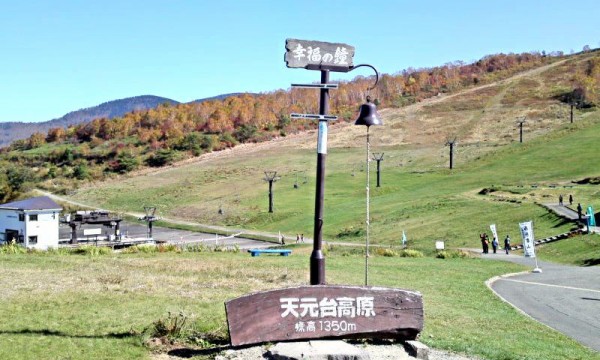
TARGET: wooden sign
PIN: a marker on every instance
(318, 55)
(324, 311)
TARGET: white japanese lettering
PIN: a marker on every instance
(290, 306)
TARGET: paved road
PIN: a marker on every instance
(566, 298)
(183, 237)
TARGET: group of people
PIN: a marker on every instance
(579, 208)
(485, 243)
(560, 200)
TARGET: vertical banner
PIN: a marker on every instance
(591, 217)
(528, 239)
(494, 232)
(322, 138)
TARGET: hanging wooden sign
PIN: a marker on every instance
(324, 311)
(318, 55)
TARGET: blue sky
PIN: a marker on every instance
(59, 56)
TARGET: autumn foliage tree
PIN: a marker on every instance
(169, 132)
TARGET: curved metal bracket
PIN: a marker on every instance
(372, 67)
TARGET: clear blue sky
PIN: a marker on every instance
(59, 56)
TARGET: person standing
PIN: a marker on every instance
(507, 244)
(570, 199)
(482, 238)
(495, 244)
(486, 243)
(560, 200)
(579, 210)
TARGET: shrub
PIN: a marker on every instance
(411, 253)
(92, 250)
(385, 252)
(167, 248)
(12, 249)
(196, 248)
(146, 249)
(452, 254)
(161, 157)
(172, 326)
(351, 232)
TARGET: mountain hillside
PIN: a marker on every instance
(475, 104)
(11, 131)
(495, 179)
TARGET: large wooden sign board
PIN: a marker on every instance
(324, 311)
(318, 55)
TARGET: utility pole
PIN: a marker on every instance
(573, 103)
(149, 218)
(378, 157)
(520, 122)
(451, 144)
(271, 177)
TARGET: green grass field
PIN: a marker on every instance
(82, 307)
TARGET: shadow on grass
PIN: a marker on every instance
(47, 332)
(591, 262)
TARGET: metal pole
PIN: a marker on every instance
(572, 104)
(73, 233)
(317, 260)
(378, 172)
(451, 153)
(368, 212)
(270, 196)
(521, 132)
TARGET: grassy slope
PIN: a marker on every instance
(86, 307)
(429, 204)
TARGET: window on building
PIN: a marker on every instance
(21, 217)
(33, 217)
(32, 240)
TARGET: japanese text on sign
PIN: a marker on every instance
(338, 307)
(318, 55)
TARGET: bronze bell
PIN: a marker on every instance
(368, 114)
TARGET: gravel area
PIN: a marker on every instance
(376, 352)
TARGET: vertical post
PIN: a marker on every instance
(271, 177)
(378, 172)
(451, 153)
(521, 132)
(572, 105)
(317, 260)
(378, 157)
(368, 212)
(73, 232)
(270, 196)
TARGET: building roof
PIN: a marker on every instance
(35, 203)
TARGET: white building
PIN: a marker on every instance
(32, 223)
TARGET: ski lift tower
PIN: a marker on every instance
(149, 218)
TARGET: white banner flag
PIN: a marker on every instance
(528, 238)
(494, 232)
